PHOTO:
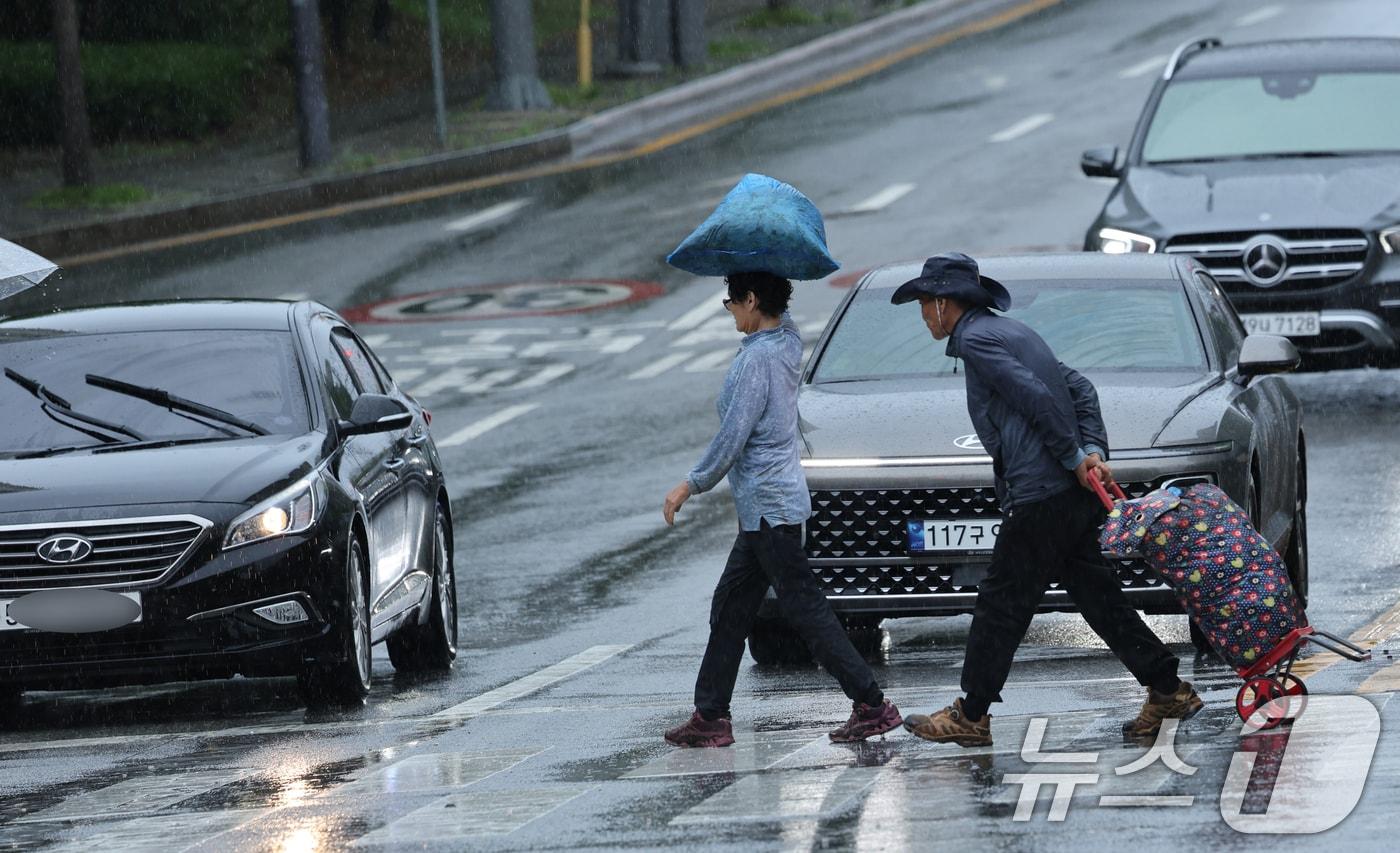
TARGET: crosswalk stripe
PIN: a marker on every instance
(1147, 66)
(708, 307)
(566, 668)
(134, 796)
(660, 366)
(1259, 16)
(883, 199)
(783, 795)
(463, 816)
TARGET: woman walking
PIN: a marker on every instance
(757, 447)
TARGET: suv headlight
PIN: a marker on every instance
(292, 510)
(1390, 241)
(1113, 241)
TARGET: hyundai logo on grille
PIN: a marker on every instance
(64, 548)
(1265, 261)
(968, 442)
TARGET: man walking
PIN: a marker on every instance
(1040, 422)
(757, 446)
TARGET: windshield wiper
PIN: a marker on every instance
(54, 406)
(173, 403)
(1277, 155)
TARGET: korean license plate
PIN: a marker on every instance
(953, 535)
(1297, 324)
(7, 623)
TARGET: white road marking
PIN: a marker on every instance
(712, 303)
(376, 341)
(997, 82)
(1259, 16)
(295, 296)
(717, 360)
(722, 183)
(432, 772)
(1022, 127)
(486, 424)
(660, 366)
(461, 817)
(1147, 66)
(784, 795)
(486, 217)
(544, 376)
(134, 796)
(529, 684)
(883, 199)
(751, 753)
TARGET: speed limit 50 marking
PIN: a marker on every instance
(502, 301)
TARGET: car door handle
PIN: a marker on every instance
(395, 464)
(418, 437)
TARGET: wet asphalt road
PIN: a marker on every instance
(583, 617)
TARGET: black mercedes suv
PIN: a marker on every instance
(1277, 166)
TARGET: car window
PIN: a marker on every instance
(335, 374)
(355, 358)
(1224, 324)
(1275, 114)
(266, 388)
(1091, 325)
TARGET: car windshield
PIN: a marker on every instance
(1091, 325)
(252, 374)
(1275, 115)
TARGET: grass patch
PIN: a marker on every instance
(840, 16)
(572, 97)
(786, 16)
(96, 197)
(469, 21)
(736, 49)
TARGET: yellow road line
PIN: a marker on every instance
(1385, 681)
(1368, 636)
(652, 147)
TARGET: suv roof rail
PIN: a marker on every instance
(1179, 55)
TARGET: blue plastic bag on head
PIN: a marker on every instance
(763, 225)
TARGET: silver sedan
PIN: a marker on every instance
(904, 512)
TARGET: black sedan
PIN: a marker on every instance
(202, 489)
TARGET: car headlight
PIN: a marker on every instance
(1390, 241)
(1113, 241)
(292, 510)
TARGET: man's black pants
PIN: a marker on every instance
(1055, 539)
(773, 556)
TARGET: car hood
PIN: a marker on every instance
(233, 471)
(928, 417)
(1345, 192)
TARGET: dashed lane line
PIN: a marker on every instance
(482, 218)
(1147, 66)
(566, 668)
(882, 199)
(1022, 127)
(1259, 16)
(486, 424)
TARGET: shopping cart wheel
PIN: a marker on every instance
(1256, 694)
(1292, 684)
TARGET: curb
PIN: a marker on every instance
(641, 127)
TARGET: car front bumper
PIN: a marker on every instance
(199, 622)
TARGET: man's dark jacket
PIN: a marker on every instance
(1036, 417)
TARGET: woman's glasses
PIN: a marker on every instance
(726, 300)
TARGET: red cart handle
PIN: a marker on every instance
(1099, 490)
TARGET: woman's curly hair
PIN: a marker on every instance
(773, 292)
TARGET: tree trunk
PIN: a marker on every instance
(313, 112)
(644, 36)
(689, 46)
(518, 85)
(75, 132)
(382, 21)
(337, 21)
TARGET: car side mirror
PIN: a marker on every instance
(1100, 162)
(1261, 355)
(375, 413)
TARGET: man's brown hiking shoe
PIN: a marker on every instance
(950, 726)
(698, 731)
(1181, 705)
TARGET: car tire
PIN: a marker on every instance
(1295, 556)
(345, 679)
(773, 641)
(432, 646)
